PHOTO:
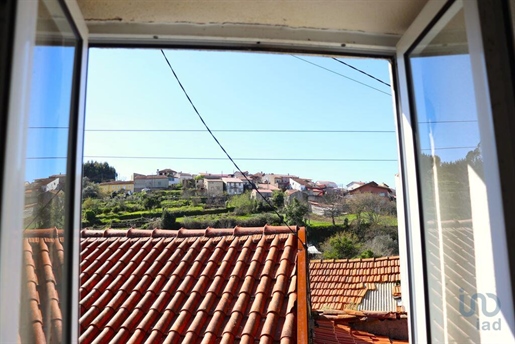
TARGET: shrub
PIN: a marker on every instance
(341, 245)
(168, 220)
(383, 246)
(167, 203)
(295, 213)
(243, 204)
(90, 217)
(317, 234)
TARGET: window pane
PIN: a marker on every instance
(46, 166)
(450, 168)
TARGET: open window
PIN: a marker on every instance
(453, 80)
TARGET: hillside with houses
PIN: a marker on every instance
(260, 185)
(355, 215)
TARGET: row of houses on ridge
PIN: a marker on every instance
(213, 184)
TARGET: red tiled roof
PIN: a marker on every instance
(140, 176)
(373, 184)
(328, 332)
(342, 284)
(43, 257)
(193, 286)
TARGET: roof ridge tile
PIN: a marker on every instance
(43, 233)
(136, 233)
(115, 233)
(215, 232)
(182, 232)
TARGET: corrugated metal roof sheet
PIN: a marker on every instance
(379, 299)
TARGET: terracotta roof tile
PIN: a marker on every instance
(344, 283)
(169, 286)
(328, 332)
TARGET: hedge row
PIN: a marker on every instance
(317, 234)
(177, 212)
(231, 221)
(168, 203)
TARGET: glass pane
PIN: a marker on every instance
(450, 170)
(45, 197)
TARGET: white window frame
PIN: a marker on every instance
(414, 298)
(11, 222)
(13, 174)
(492, 243)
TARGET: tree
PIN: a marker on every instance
(243, 204)
(295, 213)
(341, 245)
(91, 204)
(278, 198)
(98, 172)
(90, 190)
(150, 201)
(90, 216)
(335, 204)
(452, 187)
(368, 208)
(168, 220)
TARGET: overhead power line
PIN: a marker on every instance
(211, 158)
(361, 71)
(227, 154)
(344, 76)
(286, 131)
(444, 148)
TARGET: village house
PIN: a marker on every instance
(214, 187)
(353, 185)
(172, 180)
(250, 181)
(53, 182)
(41, 192)
(151, 182)
(233, 186)
(372, 187)
(266, 191)
(182, 176)
(291, 194)
(358, 299)
(206, 175)
(325, 187)
(282, 181)
(325, 184)
(299, 183)
(166, 172)
(115, 186)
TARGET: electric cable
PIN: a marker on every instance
(211, 158)
(361, 71)
(303, 131)
(228, 156)
(344, 76)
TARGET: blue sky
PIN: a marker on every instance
(49, 111)
(134, 89)
(445, 103)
